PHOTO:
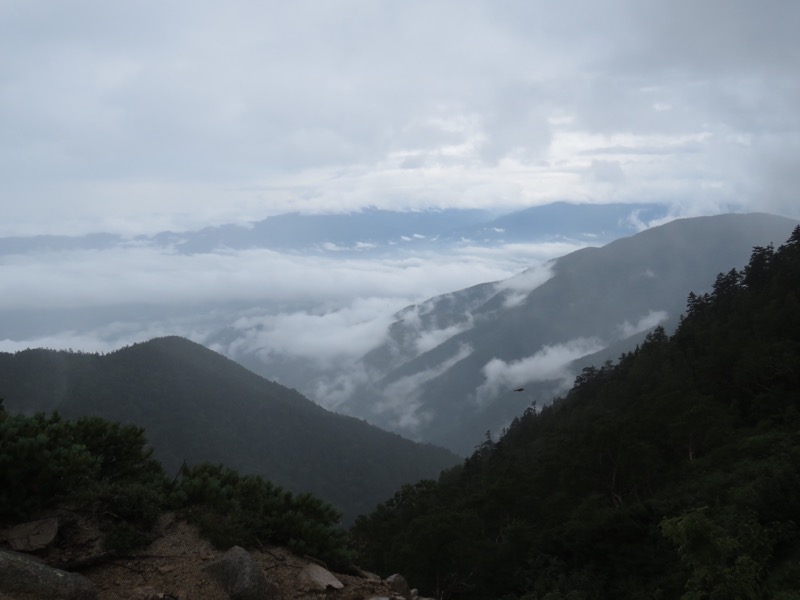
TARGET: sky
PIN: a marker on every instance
(144, 116)
(147, 115)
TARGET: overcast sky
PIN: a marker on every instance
(139, 116)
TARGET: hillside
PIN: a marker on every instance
(196, 405)
(448, 368)
(670, 474)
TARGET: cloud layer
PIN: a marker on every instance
(320, 306)
(138, 117)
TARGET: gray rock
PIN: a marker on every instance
(21, 574)
(316, 577)
(399, 585)
(241, 576)
(35, 535)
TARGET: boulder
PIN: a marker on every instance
(315, 577)
(22, 574)
(399, 585)
(241, 576)
(32, 536)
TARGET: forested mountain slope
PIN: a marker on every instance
(196, 405)
(447, 370)
(670, 474)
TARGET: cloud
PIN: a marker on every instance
(304, 319)
(519, 286)
(399, 401)
(650, 320)
(336, 389)
(148, 275)
(324, 335)
(214, 113)
(547, 364)
(428, 340)
(113, 335)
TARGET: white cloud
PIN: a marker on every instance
(253, 304)
(324, 335)
(399, 400)
(549, 363)
(333, 391)
(648, 321)
(114, 335)
(428, 340)
(519, 286)
(150, 276)
(528, 280)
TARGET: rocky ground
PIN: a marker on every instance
(175, 567)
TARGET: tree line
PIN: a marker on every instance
(670, 473)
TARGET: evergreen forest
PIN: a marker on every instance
(673, 472)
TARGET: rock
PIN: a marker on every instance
(241, 576)
(367, 575)
(315, 577)
(35, 535)
(399, 585)
(22, 574)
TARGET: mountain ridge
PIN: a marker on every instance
(196, 405)
(593, 298)
(374, 229)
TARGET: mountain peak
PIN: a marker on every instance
(197, 405)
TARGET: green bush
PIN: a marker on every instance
(46, 462)
(247, 510)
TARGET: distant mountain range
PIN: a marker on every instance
(196, 405)
(378, 231)
(461, 363)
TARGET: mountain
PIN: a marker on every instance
(196, 405)
(565, 220)
(449, 366)
(670, 474)
(356, 232)
(374, 230)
